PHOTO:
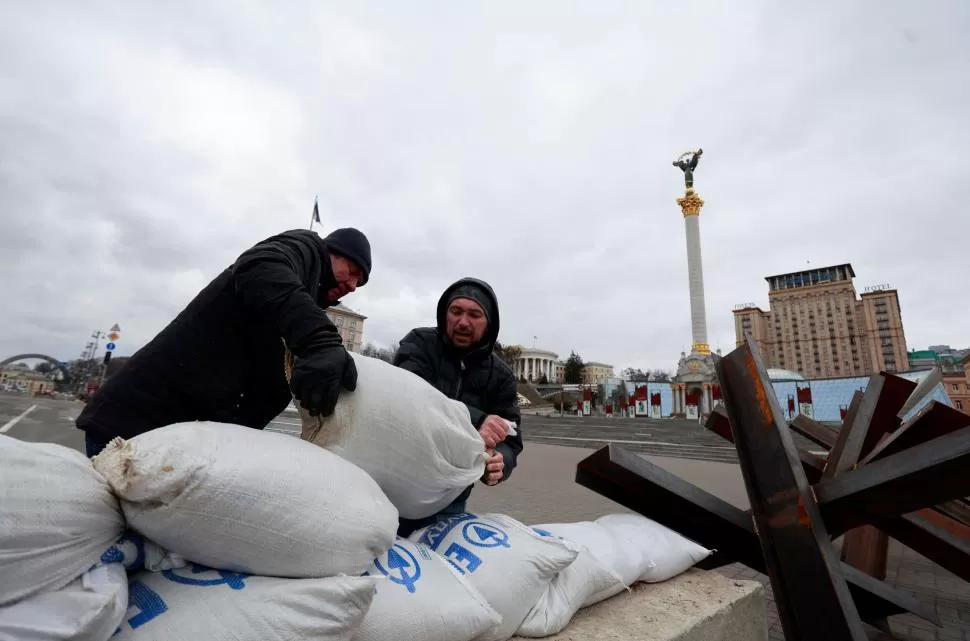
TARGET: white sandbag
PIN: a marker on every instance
(57, 515)
(423, 599)
(241, 499)
(199, 603)
(89, 608)
(418, 444)
(585, 581)
(653, 552)
(509, 564)
(600, 543)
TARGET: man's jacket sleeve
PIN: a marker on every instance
(505, 404)
(412, 355)
(272, 280)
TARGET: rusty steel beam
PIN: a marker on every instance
(648, 489)
(933, 421)
(814, 431)
(810, 590)
(922, 476)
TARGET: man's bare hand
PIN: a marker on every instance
(494, 468)
(493, 431)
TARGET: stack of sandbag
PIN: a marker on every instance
(615, 551)
(416, 443)
(269, 528)
(57, 518)
(236, 534)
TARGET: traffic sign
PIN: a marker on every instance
(113, 336)
(115, 328)
(107, 357)
(110, 347)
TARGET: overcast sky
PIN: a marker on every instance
(143, 146)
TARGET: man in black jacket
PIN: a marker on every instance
(221, 359)
(457, 358)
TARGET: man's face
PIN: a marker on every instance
(465, 322)
(347, 274)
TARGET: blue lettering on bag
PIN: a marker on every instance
(233, 579)
(458, 555)
(402, 567)
(147, 601)
(435, 534)
(485, 535)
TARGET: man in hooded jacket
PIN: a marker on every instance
(457, 358)
(221, 359)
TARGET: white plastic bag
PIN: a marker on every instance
(585, 581)
(241, 499)
(423, 599)
(57, 515)
(89, 608)
(651, 552)
(509, 564)
(418, 444)
(200, 603)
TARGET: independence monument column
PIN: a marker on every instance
(690, 206)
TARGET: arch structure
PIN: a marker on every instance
(43, 357)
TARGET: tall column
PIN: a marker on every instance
(690, 206)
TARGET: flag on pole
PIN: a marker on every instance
(316, 213)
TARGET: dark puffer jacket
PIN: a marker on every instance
(221, 359)
(478, 378)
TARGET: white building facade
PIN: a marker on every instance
(533, 364)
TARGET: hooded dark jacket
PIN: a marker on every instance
(478, 378)
(221, 359)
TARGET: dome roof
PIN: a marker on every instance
(776, 374)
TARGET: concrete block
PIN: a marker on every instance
(695, 606)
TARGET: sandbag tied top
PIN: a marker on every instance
(418, 444)
(57, 515)
(235, 498)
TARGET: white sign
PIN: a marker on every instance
(806, 409)
(877, 288)
(692, 412)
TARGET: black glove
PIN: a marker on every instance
(319, 375)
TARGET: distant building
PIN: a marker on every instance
(533, 364)
(19, 377)
(350, 326)
(596, 373)
(817, 326)
(956, 380)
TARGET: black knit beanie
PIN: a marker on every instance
(353, 244)
(477, 294)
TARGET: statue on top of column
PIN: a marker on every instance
(688, 166)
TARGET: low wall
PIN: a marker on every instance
(695, 606)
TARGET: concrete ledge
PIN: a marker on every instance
(695, 606)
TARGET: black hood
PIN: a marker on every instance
(487, 344)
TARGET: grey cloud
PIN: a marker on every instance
(143, 147)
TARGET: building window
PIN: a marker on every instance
(955, 387)
(959, 405)
(353, 324)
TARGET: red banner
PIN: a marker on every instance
(791, 405)
(843, 411)
(641, 394)
(587, 394)
(716, 392)
(805, 395)
(655, 399)
(609, 409)
(692, 398)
